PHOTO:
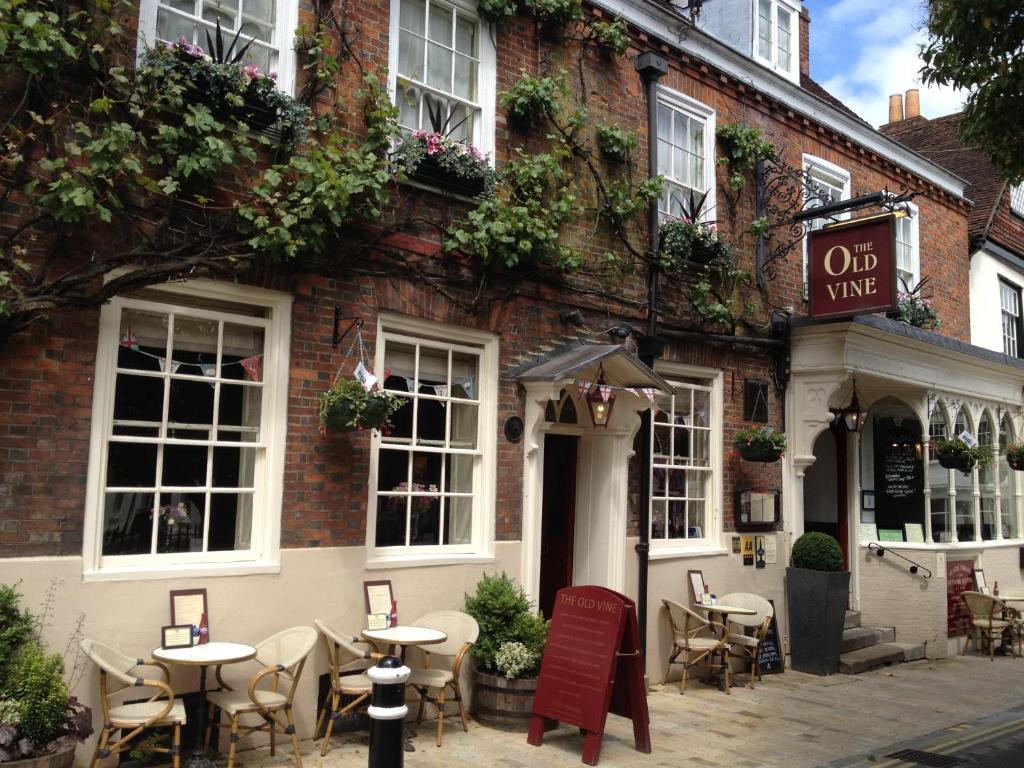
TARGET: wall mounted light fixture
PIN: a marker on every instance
(600, 401)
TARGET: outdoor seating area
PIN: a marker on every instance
(715, 631)
(995, 625)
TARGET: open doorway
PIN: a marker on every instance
(825, 507)
(558, 518)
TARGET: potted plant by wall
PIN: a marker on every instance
(689, 238)
(1015, 456)
(40, 721)
(508, 653)
(817, 592)
(348, 406)
(762, 443)
(956, 454)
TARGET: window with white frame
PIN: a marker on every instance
(777, 36)
(444, 63)
(269, 24)
(686, 153)
(1009, 303)
(684, 440)
(1017, 199)
(908, 252)
(189, 409)
(432, 473)
(829, 184)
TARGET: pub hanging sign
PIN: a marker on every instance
(851, 267)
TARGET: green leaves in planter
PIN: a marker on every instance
(954, 453)
(348, 405)
(762, 443)
(505, 615)
(531, 99)
(817, 551)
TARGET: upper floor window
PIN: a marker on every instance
(432, 476)
(908, 253)
(776, 36)
(685, 464)
(189, 409)
(1017, 199)
(444, 63)
(828, 184)
(686, 152)
(1009, 303)
(269, 23)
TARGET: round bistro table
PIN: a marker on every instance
(203, 656)
(724, 610)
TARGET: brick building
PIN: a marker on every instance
(202, 395)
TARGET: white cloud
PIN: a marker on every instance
(869, 49)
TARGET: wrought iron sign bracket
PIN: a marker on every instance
(790, 198)
(337, 336)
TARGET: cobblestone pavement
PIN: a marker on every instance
(791, 720)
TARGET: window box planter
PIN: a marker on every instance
(685, 242)
(431, 172)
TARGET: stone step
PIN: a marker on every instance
(862, 637)
(911, 651)
(863, 659)
(852, 619)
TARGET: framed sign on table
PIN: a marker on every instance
(697, 586)
(176, 636)
(379, 598)
(188, 607)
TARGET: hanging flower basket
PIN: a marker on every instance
(348, 406)
(764, 444)
(956, 454)
(442, 162)
(684, 241)
(1015, 457)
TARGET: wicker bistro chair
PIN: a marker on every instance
(161, 710)
(349, 658)
(431, 682)
(987, 622)
(283, 656)
(694, 638)
(746, 633)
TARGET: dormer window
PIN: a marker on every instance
(776, 36)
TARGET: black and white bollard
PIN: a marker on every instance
(387, 712)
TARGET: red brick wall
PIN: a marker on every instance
(45, 381)
(1007, 227)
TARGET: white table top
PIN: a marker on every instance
(722, 608)
(209, 653)
(406, 634)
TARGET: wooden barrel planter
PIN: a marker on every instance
(502, 703)
(62, 758)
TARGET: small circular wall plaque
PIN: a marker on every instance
(514, 429)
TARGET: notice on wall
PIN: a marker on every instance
(592, 666)
(959, 579)
(898, 468)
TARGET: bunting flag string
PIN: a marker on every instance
(583, 387)
(251, 364)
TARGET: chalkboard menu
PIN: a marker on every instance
(769, 653)
(898, 473)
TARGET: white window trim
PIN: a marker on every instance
(811, 164)
(915, 245)
(698, 111)
(264, 555)
(287, 21)
(778, 6)
(1017, 198)
(486, 78)
(713, 542)
(481, 547)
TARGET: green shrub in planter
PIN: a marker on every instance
(348, 405)
(15, 628)
(505, 615)
(817, 552)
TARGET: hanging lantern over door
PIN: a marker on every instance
(600, 401)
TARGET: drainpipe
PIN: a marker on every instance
(652, 67)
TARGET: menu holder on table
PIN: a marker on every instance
(378, 599)
(176, 636)
(188, 606)
(377, 620)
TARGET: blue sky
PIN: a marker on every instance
(864, 50)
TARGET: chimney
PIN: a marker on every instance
(896, 108)
(805, 43)
(913, 103)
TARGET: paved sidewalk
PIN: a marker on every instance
(789, 720)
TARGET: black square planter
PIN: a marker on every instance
(430, 172)
(816, 603)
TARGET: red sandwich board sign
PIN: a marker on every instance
(592, 666)
(851, 267)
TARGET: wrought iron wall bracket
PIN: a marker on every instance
(336, 336)
(790, 198)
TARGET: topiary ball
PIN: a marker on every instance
(817, 552)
